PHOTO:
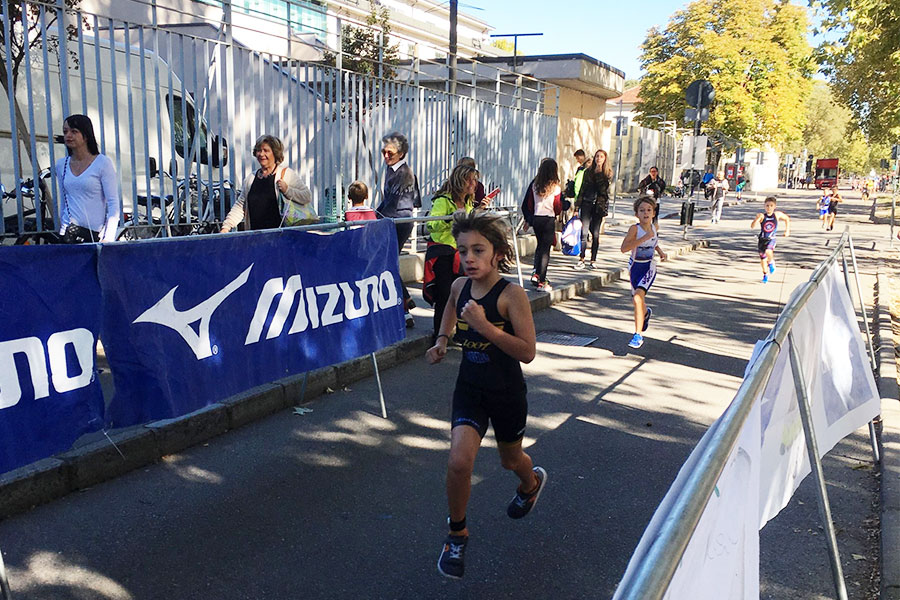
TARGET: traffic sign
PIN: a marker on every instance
(694, 114)
(700, 94)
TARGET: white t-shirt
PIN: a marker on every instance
(543, 205)
(91, 199)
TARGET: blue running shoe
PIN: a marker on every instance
(453, 554)
(522, 503)
(771, 267)
(765, 279)
(647, 316)
(637, 341)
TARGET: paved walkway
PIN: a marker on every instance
(339, 503)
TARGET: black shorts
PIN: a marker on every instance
(832, 208)
(506, 410)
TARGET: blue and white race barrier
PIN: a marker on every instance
(185, 323)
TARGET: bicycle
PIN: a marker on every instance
(184, 216)
(29, 234)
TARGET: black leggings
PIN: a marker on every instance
(444, 276)
(404, 230)
(545, 232)
(592, 215)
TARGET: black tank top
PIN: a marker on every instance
(768, 226)
(483, 364)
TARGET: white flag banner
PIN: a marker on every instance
(722, 557)
(840, 384)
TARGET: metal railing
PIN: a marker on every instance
(650, 580)
(175, 92)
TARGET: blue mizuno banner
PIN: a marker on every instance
(188, 322)
(49, 321)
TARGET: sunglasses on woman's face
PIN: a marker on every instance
(388, 153)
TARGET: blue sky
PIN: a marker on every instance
(611, 32)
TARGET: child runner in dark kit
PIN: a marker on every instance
(495, 329)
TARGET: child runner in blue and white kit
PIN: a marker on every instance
(824, 204)
(768, 224)
(495, 330)
(642, 241)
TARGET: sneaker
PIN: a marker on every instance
(647, 316)
(592, 266)
(771, 267)
(544, 286)
(452, 560)
(579, 266)
(410, 322)
(765, 279)
(636, 341)
(521, 504)
(535, 279)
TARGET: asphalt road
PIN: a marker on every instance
(339, 503)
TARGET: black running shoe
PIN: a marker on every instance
(453, 554)
(647, 316)
(521, 504)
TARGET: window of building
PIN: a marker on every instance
(304, 16)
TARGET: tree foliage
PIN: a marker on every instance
(364, 49)
(755, 54)
(861, 57)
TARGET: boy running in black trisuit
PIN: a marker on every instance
(494, 327)
(768, 222)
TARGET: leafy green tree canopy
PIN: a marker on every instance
(861, 57)
(755, 54)
(363, 48)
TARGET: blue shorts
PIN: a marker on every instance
(763, 244)
(823, 211)
(642, 275)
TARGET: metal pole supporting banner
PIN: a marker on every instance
(4, 583)
(873, 436)
(380, 389)
(816, 466)
(516, 247)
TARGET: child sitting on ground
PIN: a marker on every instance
(358, 194)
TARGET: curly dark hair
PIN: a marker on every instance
(490, 225)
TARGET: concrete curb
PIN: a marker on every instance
(88, 465)
(890, 443)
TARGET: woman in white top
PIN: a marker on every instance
(268, 187)
(546, 190)
(89, 195)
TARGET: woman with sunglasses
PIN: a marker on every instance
(401, 195)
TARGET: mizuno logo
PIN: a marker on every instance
(165, 313)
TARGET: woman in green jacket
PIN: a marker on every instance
(441, 260)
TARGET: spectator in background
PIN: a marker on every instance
(88, 186)
(268, 187)
(717, 187)
(442, 265)
(358, 194)
(546, 204)
(573, 186)
(468, 161)
(593, 204)
(401, 195)
(704, 184)
(653, 186)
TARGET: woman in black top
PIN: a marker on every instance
(593, 200)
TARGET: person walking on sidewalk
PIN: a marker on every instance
(642, 240)
(719, 187)
(495, 329)
(543, 203)
(593, 204)
(768, 223)
(654, 186)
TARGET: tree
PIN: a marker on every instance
(19, 40)
(862, 58)
(755, 54)
(363, 48)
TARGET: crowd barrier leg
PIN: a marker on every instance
(812, 449)
(380, 390)
(515, 230)
(873, 436)
(4, 583)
